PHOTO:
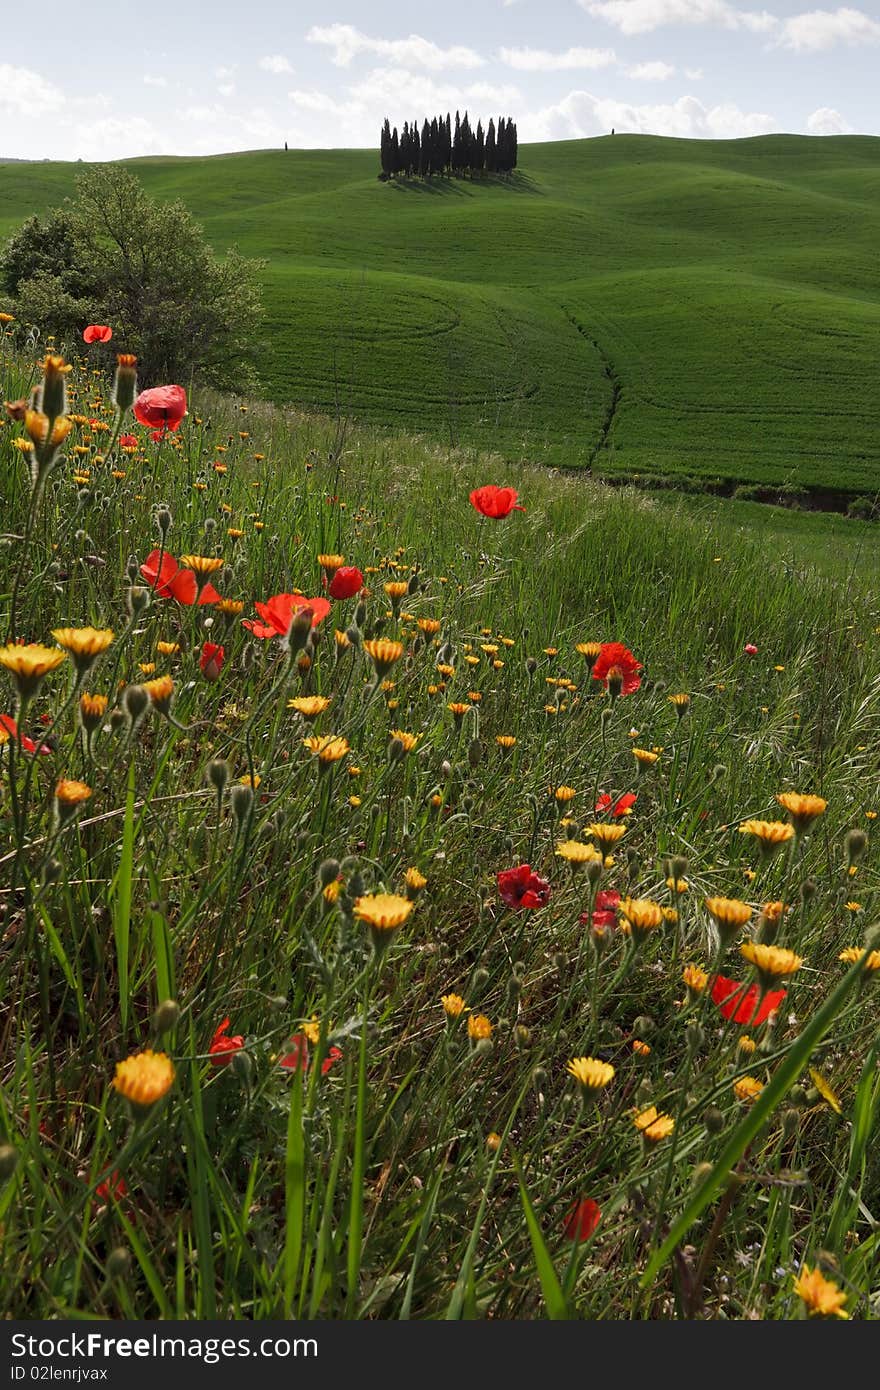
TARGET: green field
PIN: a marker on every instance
(631, 304)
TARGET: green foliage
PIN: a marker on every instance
(145, 268)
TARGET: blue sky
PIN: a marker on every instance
(106, 78)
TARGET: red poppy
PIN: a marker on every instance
(223, 1048)
(582, 1220)
(495, 501)
(161, 408)
(744, 1003)
(520, 888)
(750, 649)
(128, 441)
(604, 909)
(112, 1188)
(278, 612)
(298, 1059)
(27, 744)
(97, 333)
(616, 666)
(211, 660)
(622, 806)
(163, 574)
(346, 582)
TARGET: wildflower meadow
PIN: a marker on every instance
(430, 887)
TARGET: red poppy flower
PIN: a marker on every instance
(161, 408)
(211, 660)
(750, 649)
(97, 333)
(582, 1220)
(298, 1059)
(495, 501)
(604, 908)
(616, 663)
(520, 888)
(622, 806)
(278, 612)
(346, 582)
(27, 744)
(744, 1003)
(170, 581)
(223, 1048)
(128, 441)
(113, 1187)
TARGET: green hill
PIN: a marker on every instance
(634, 304)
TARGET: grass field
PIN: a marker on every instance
(182, 872)
(631, 304)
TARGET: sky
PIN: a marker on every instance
(105, 79)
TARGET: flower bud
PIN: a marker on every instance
(218, 773)
(137, 600)
(713, 1119)
(298, 632)
(474, 753)
(124, 382)
(694, 1036)
(855, 843)
(241, 799)
(135, 702)
(166, 1017)
(643, 1026)
(163, 521)
(118, 1263)
(9, 1157)
(328, 872)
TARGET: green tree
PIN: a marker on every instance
(114, 255)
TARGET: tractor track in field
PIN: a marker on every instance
(610, 373)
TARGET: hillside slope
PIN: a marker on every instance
(628, 303)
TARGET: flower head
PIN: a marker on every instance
(802, 809)
(770, 834)
(639, 916)
(384, 912)
(520, 888)
(771, 962)
(653, 1125)
(591, 1074)
(29, 663)
(223, 1048)
(747, 1088)
(97, 333)
(327, 748)
(211, 660)
(821, 1297)
(162, 573)
(310, 706)
(745, 1004)
(479, 1028)
(346, 582)
(582, 1220)
(495, 501)
(383, 653)
(618, 669)
(144, 1078)
(453, 1005)
(729, 915)
(870, 959)
(84, 644)
(161, 408)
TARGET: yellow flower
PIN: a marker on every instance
(453, 1005)
(606, 834)
(771, 962)
(29, 663)
(384, 912)
(677, 885)
(147, 667)
(576, 853)
(564, 794)
(85, 644)
(822, 1297)
(396, 589)
(430, 626)
(591, 1074)
(652, 1125)
(168, 648)
(144, 1078)
(71, 793)
(383, 653)
(681, 703)
(202, 565)
(160, 692)
(645, 757)
(248, 781)
(312, 1030)
(746, 1044)
(331, 563)
(310, 706)
(729, 914)
(695, 978)
(870, 959)
(415, 882)
(409, 741)
(641, 1049)
(229, 607)
(493, 1141)
(458, 710)
(590, 650)
(328, 748)
(747, 1088)
(479, 1028)
(640, 916)
(771, 834)
(331, 891)
(505, 741)
(802, 809)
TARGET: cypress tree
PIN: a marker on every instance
(479, 148)
(385, 147)
(491, 160)
(395, 153)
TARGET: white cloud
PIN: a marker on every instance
(694, 74)
(223, 74)
(643, 16)
(347, 42)
(827, 121)
(540, 60)
(277, 63)
(651, 72)
(581, 114)
(226, 89)
(117, 137)
(151, 81)
(819, 29)
(24, 92)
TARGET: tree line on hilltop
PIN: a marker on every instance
(441, 148)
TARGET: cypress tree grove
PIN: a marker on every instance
(441, 148)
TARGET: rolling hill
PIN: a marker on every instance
(630, 304)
